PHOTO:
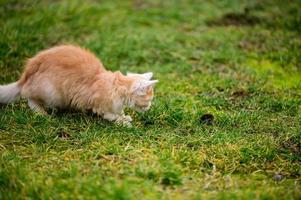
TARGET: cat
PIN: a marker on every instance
(70, 76)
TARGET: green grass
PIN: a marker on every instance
(210, 57)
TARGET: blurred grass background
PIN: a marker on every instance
(236, 60)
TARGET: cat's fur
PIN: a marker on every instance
(69, 76)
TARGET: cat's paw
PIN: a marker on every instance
(123, 122)
(128, 118)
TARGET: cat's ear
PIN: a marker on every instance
(142, 86)
(147, 84)
(146, 76)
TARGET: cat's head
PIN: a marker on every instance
(141, 91)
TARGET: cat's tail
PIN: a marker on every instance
(9, 93)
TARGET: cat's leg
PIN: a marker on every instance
(36, 107)
(110, 116)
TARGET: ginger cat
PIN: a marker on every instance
(69, 76)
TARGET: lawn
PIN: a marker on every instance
(226, 118)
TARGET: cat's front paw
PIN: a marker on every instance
(128, 118)
(123, 122)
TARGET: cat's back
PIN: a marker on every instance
(69, 56)
(63, 58)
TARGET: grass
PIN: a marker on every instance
(238, 61)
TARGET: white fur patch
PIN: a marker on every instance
(9, 93)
